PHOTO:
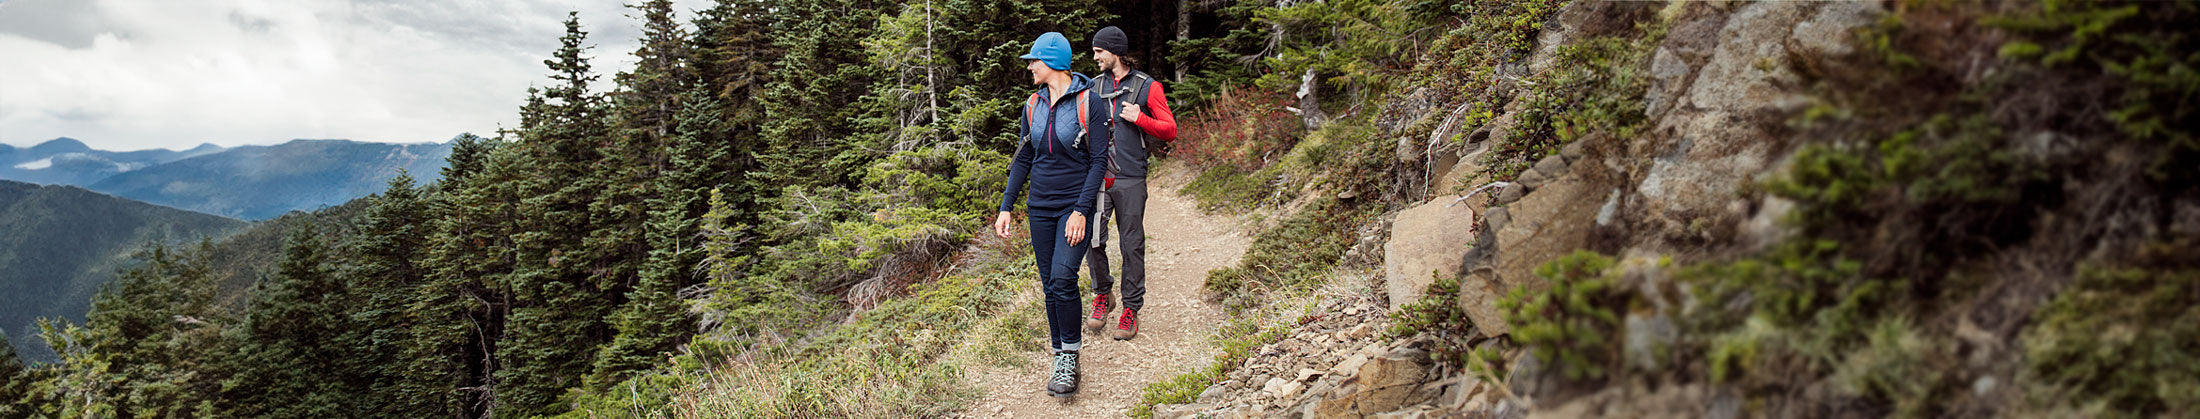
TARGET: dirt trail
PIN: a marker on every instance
(1181, 246)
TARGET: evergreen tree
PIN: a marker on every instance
(458, 306)
(280, 351)
(383, 274)
(15, 382)
(147, 347)
(821, 70)
(557, 310)
(654, 320)
(733, 53)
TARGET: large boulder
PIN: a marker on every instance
(1425, 240)
(1555, 220)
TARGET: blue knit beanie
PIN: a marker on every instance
(1051, 48)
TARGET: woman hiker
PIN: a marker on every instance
(1063, 161)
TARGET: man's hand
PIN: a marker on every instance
(1076, 230)
(1002, 223)
(1129, 113)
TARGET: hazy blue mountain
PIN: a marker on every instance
(66, 161)
(261, 182)
(58, 244)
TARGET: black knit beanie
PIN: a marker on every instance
(1112, 39)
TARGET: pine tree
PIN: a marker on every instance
(147, 347)
(654, 320)
(823, 67)
(381, 285)
(557, 311)
(733, 57)
(458, 308)
(280, 350)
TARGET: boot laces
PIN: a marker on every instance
(1065, 369)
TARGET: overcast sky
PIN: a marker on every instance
(136, 74)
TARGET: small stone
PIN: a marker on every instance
(1513, 193)
(1274, 386)
(1350, 365)
(1497, 218)
(1575, 150)
(1213, 394)
(1290, 389)
(1352, 310)
(1529, 179)
(1305, 373)
(1553, 166)
(1361, 331)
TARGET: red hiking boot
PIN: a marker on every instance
(1127, 327)
(1099, 319)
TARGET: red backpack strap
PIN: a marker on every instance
(1031, 108)
(1081, 110)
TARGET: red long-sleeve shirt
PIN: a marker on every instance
(1154, 117)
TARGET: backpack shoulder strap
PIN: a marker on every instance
(1081, 117)
(1031, 113)
(1144, 86)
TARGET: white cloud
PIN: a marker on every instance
(134, 74)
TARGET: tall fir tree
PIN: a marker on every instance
(807, 138)
(733, 56)
(654, 320)
(280, 350)
(383, 274)
(557, 313)
(458, 308)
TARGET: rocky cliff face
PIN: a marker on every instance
(1693, 200)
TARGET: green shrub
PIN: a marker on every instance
(2122, 336)
(1896, 364)
(1439, 316)
(1595, 85)
(2147, 46)
(1574, 324)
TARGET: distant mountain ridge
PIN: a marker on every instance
(66, 161)
(247, 182)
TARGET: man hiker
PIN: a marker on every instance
(1140, 119)
(1063, 162)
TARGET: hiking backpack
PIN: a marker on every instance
(1031, 109)
(1140, 84)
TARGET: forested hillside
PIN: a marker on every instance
(1467, 207)
(58, 244)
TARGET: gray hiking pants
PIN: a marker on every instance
(1127, 202)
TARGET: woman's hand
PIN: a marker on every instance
(1002, 223)
(1075, 232)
